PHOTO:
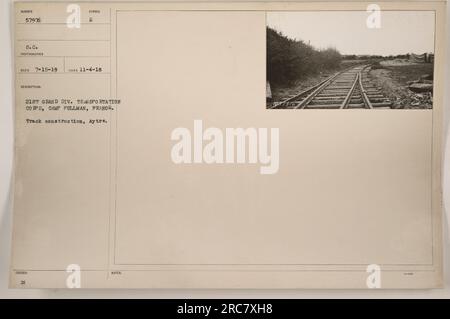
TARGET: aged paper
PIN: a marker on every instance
(179, 145)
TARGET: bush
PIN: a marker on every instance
(376, 65)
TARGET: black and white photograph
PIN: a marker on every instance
(140, 160)
(350, 59)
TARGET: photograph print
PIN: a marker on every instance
(350, 60)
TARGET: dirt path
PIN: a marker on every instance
(394, 77)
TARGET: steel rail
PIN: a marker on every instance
(295, 97)
(347, 99)
(319, 89)
(345, 89)
(366, 99)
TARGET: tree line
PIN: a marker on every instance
(289, 60)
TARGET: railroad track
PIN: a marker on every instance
(348, 89)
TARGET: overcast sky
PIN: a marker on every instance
(401, 31)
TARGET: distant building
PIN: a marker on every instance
(422, 58)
